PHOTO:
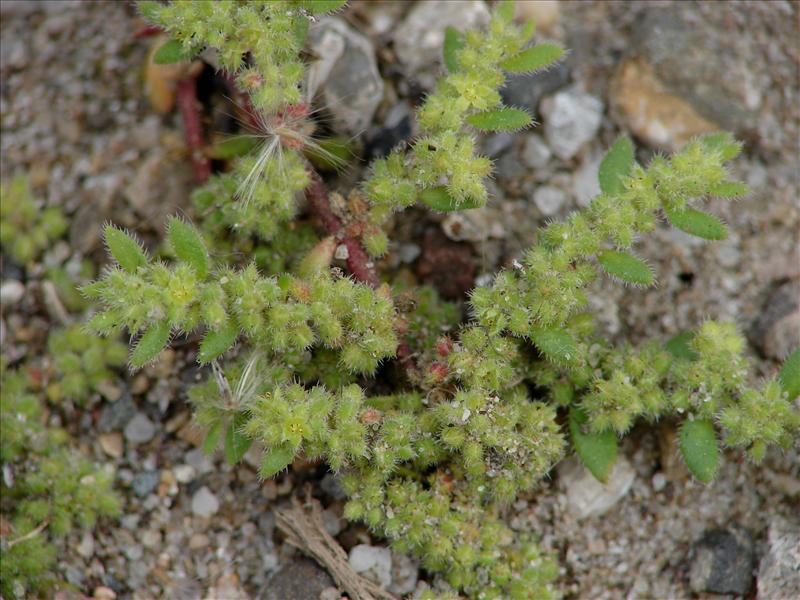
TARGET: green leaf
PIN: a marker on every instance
(453, 42)
(150, 344)
(503, 119)
(698, 223)
(729, 189)
(724, 143)
(320, 7)
(232, 148)
(790, 375)
(505, 9)
(212, 438)
(625, 267)
(533, 58)
(216, 343)
(125, 249)
(438, 198)
(170, 52)
(698, 441)
(556, 344)
(616, 165)
(598, 451)
(276, 460)
(188, 245)
(680, 346)
(236, 443)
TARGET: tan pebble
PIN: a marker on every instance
(177, 421)
(198, 541)
(102, 592)
(140, 384)
(545, 13)
(111, 443)
(270, 490)
(651, 111)
(192, 434)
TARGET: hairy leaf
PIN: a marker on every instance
(503, 119)
(616, 164)
(216, 343)
(276, 460)
(438, 198)
(698, 223)
(533, 58)
(680, 346)
(232, 148)
(505, 9)
(729, 189)
(125, 249)
(790, 375)
(555, 344)
(598, 451)
(212, 438)
(724, 143)
(625, 267)
(319, 7)
(236, 443)
(150, 344)
(698, 442)
(170, 52)
(188, 245)
(453, 42)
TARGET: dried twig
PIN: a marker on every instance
(32, 534)
(303, 527)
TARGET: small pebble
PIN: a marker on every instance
(204, 503)
(659, 482)
(140, 429)
(102, 592)
(184, 473)
(144, 483)
(549, 199)
(374, 562)
(111, 443)
(11, 292)
(535, 152)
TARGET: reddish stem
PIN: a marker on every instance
(358, 262)
(147, 31)
(189, 106)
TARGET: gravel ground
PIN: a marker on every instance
(75, 116)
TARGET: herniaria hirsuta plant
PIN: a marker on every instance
(431, 456)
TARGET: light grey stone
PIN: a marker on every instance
(347, 74)
(571, 118)
(373, 562)
(779, 570)
(535, 152)
(585, 184)
(405, 573)
(549, 199)
(204, 503)
(139, 429)
(419, 38)
(11, 292)
(586, 496)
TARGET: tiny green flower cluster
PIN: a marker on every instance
(278, 315)
(442, 169)
(51, 488)
(25, 228)
(82, 362)
(271, 33)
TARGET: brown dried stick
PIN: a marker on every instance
(189, 106)
(302, 525)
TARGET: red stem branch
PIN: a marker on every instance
(358, 262)
(189, 106)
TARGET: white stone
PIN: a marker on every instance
(11, 292)
(571, 118)
(585, 182)
(405, 573)
(587, 497)
(373, 562)
(549, 199)
(204, 503)
(139, 429)
(535, 152)
(184, 473)
(779, 570)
